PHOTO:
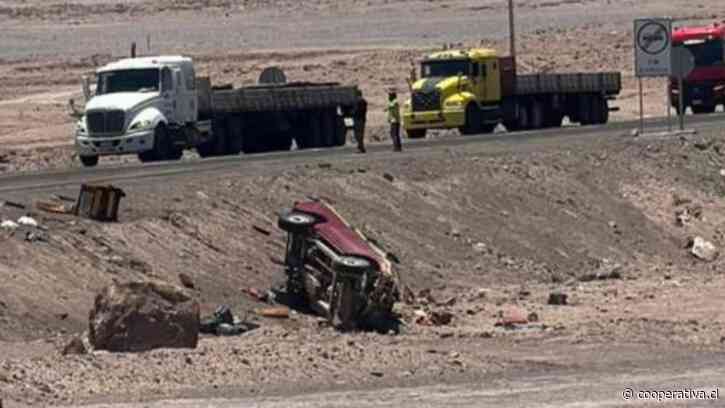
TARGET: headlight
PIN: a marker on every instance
(719, 88)
(141, 124)
(81, 126)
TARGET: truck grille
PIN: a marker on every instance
(426, 101)
(105, 122)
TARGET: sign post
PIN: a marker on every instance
(652, 53)
(683, 62)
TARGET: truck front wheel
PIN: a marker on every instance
(89, 161)
(473, 120)
(416, 133)
(163, 148)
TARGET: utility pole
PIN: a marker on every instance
(512, 30)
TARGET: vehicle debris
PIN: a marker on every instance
(55, 207)
(12, 204)
(558, 299)
(27, 221)
(223, 323)
(99, 202)
(279, 312)
(9, 225)
(334, 270)
(433, 318)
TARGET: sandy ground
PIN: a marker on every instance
(491, 232)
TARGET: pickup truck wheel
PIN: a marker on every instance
(416, 133)
(473, 120)
(89, 161)
(351, 264)
(296, 222)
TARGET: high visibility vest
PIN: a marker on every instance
(393, 111)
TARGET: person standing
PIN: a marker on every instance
(361, 112)
(394, 120)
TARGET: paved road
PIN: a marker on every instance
(135, 173)
(580, 388)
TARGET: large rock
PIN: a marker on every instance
(141, 316)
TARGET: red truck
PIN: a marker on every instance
(704, 88)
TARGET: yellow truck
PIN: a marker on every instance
(476, 90)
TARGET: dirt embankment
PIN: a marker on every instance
(495, 232)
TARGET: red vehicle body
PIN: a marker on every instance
(704, 88)
(334, 269)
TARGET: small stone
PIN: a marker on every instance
(634, 133)
(558, 299)
(533, 317)
(186, 281)
(202, 195)
(389, 177)
(376, 374)
(188, 360)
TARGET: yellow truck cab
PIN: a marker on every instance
(476, 90)
(452, 83)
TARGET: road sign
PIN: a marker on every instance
(683, 62)
(652, 47)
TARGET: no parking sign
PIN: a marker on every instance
(653, 47)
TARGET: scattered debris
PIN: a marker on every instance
(512, 317)
(558, 299)
(324, 165)
(54, 207)
(76, 346)
(61, 197)
(533, 317)
(634, 133)
(376, 374)
(433, 318)
(202, 195)
(389, 177)
(9, 225)
(262, 230)
(679, 200)
(99, 203)
(186, 281)
(256, 294)
(607, 270)
(222, 315)
(278, 312)
(27, 221)
(143, 315)
(12, 204)
(35, 236)
(703, 250)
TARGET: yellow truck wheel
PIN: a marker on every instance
(416, 133)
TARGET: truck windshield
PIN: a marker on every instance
(445, 68)
(707, 53)
(128, 80)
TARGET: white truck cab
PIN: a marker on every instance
(138, 106)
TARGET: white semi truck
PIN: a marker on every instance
(156, 107)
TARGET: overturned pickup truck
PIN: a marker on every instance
(336, 271)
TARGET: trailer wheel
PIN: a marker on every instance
(89, 161)
(473, 120)
(704, 109)
(296, 222)
(587, 109)
(536, 115)
(416, 133)
(524, 119)
(235, 135)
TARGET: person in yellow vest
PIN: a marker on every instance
(394, 120)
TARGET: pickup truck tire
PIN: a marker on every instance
(89, 161)
(296, 222)
(416, 133)
(354, 265)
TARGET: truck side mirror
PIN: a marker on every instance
(86, 87)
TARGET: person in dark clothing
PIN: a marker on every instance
(394, 120)
(361, 112)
